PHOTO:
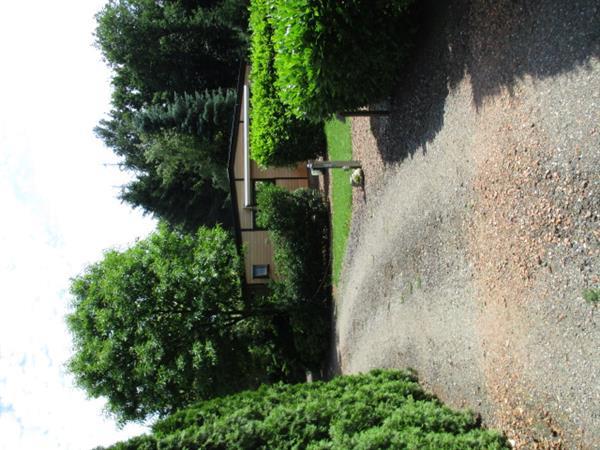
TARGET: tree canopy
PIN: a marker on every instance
(155, 326)
(170, 46)
(174, 63)
(178, 151)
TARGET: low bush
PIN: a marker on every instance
(592, 295)
(332, 56)
(379, 410)
(298, 223)
(276, 137)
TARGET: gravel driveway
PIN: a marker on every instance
(478, 228)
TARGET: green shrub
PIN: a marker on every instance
(332, 56)
(298, 223)
(592, 295)
(276, 137)
(382, 409)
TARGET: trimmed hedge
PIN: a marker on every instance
(380, 410)
(331, 56)
(276, 137)
(298, 224)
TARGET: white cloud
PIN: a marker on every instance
(59, 212)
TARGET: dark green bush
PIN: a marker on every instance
(332, 56)
(379, 410)
(276, 137)
(298, 223)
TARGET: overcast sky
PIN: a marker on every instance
(58, 213)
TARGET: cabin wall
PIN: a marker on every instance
(256, 244)
(257, 251)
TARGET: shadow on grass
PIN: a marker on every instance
(495, 44)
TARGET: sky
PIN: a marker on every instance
(58, 212)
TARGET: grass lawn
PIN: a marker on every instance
(339, 147)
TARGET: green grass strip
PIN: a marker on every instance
(339, 147)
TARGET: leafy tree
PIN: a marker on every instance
(158, 326)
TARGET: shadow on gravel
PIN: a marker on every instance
(494, 42)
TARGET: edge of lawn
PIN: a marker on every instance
(339, 147)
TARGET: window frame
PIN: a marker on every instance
(260, 266)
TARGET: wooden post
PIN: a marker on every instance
(325, 165)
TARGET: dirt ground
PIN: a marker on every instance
(478, 227)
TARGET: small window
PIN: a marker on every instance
(260, 271)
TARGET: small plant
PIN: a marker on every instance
(357, 178)
(592, 296)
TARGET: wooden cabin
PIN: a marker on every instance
(244, 176)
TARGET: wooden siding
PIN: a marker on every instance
(257, 250)
(238, 160)
(292, 184)
(256, 244)
(300, 171)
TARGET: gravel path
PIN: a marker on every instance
(478, 228)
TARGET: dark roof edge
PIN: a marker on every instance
(235, 128)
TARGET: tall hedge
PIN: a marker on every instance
(298, 224)
(276, 136)
(379, 410)
(332, 56)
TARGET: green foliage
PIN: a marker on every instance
(156, 326)
(175, 143)
(174, 154)
(207, 115)
(379, 410)
(330, 56)
(182, 173)
(276, 137)
(298, 225)
(170, 46)
(592, 295)
(178, 150)
(186, 200)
